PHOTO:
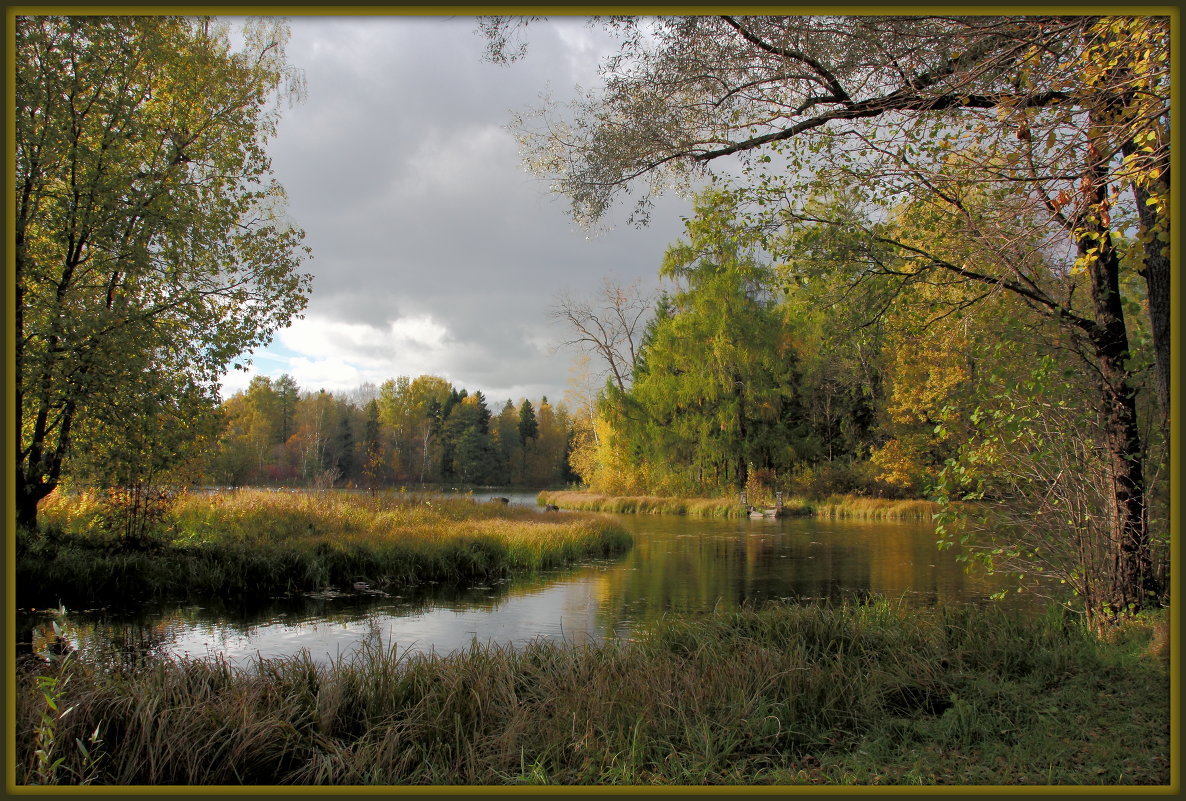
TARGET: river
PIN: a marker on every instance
(677, 565)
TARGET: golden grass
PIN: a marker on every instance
(861, 508)
(644, 504)
(259, 515)
(254, 541)
(836, 506)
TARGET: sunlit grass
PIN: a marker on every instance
(258, 543)
(644, 504)
(786, 695)
(836, 506)
(860, 508)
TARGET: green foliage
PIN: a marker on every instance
(151, 244)
(467, 430)
(1030, 491)
(53, 759)
(974, 159)
(750, 366)
(714, 386)
(528, 425)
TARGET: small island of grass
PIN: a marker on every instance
(834, 506)
(256, 543)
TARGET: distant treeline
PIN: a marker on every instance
(421, 430)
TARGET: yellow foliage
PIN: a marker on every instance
(900, 463)
(583, 457)
(599, 458)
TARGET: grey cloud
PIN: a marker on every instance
(415, 202)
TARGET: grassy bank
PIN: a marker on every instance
(836, 506)
(643, 504)
(257, 543)
(786, 695)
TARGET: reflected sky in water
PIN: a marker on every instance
(678, 565)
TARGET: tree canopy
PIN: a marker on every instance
(1035, 146)
(1072, 111)
(151, 242)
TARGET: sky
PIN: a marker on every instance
(434, 250)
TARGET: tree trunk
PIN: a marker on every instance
(28, 495)
(26, 511)
(1157, 279)
(742, 464)
(1132, 583)
(1156, 271)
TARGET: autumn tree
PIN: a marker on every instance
(937, 368)
(1030, 458)
(340, 455)
(547, 459)
(505, 435)
(253, 447)
(374, 469)
(312, 441)
(149, 236)
(1075, 97)
(231, 462)
(158, 437)
(287, 394)
(406, 410)
(1056, 123)
(941, 256)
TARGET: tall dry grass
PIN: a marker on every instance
(875, 694)
(257, 543)
(861, 508)
(643, 504)
(835, 506)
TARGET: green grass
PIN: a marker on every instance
(835, 506)
(260, 544)
(786, 695)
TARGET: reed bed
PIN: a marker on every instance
(643, 504)
(861, 508)
(835, 506)
(784, 695)
(253, 543)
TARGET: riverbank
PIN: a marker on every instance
(836, 506)
(786, 695)
(254, 543)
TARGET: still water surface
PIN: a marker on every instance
(678, 564)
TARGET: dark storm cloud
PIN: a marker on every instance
(434, 251)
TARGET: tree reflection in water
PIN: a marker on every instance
(678, 565)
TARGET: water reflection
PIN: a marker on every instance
(678, 564)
